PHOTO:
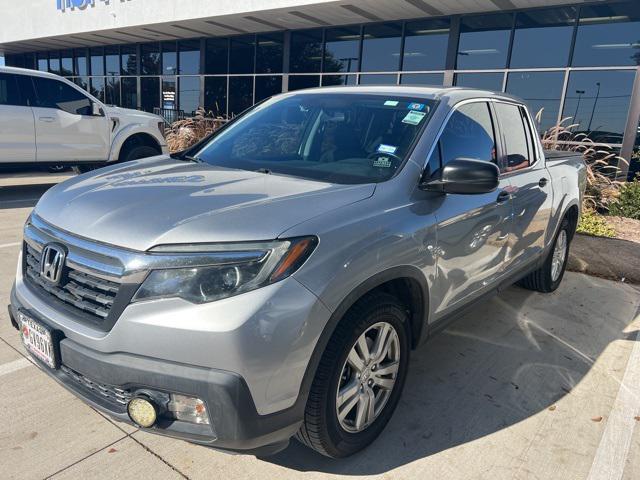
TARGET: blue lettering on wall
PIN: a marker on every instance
(64, 5)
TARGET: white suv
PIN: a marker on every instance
(47, 120)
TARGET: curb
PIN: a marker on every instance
(610, 258)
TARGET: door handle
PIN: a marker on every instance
(543, 182)
(46, 119)
(503, 197)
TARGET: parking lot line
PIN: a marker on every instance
(7, 245)
(14, 366)
(611, 455)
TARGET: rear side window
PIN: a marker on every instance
(9, 92)
(517, 137)
(469, 134)
(55, 94)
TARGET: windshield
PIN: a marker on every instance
(339, 138)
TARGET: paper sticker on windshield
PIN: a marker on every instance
(382, 162)
(413, 117)
(416, 106)
(391, 103)
(387, 148)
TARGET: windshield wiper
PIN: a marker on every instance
(266, 171)
(194, 158)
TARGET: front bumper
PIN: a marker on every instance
(235, 423)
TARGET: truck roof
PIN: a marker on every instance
(454, 94)
(26, 71)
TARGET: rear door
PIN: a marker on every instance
(17, 129)
(472, 230)
(523, 165)
(66, 130)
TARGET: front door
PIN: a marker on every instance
(66, 130)
(472, 230)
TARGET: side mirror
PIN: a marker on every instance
(96, 110)
(464, 176)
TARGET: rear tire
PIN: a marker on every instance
(548, 277)
(79, 169)
(337, 384)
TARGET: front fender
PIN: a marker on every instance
(128, 131)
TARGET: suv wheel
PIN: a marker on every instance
(360, 378)
(548, 277)
(138, 152)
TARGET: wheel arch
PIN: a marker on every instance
(138, 139)
(407, 283)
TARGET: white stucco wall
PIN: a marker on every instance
(32, 19)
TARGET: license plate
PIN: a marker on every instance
(38, 339)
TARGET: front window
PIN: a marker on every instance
(338, 138)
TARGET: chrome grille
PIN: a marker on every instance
(110, 393)
(87, 293)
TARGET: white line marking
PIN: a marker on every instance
(14, 366)
(611, 456)
(7, 245)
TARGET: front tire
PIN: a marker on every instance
(138, 152)
(360, 378)
(548, 277)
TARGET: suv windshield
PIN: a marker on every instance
(337, 138)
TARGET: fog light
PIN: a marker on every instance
(142, 412)
(188, 409)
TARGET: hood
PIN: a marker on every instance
(113, 111)
(145, 203)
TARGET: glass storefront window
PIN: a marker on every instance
(298, 82)
(129, 59)
(425, 45)
(381, 47)
(169, 58)
(130, 92)
(150, 59)
(306, 51)
(54, 63)
(374, 79)
(96, 87)
(542, 92)
(542, 38)
(80, 62)
(436, 79)
(66, 63)
(112, 91)
(215, 96)
(149, 93)
(486, 81)
(189, 94)
(332, 80)
(112, 60)
(240, 94)
(216, 56)
(189, 51)
(342, 49)
(484, 41)
(97, 61)
(267, 86)
(598, 102)
(634, 164)
(608, 35)
(242, 54)
(43, 62)
(269, 53)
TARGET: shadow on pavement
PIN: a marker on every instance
(512, 358)
(22, 196)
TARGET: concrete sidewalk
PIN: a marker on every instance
(527, 386)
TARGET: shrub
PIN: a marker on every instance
(184, 133)
(628, 202)
(593, 224)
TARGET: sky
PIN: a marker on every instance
(1, 61)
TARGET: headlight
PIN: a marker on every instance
(270, 262)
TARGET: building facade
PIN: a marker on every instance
(575, 64)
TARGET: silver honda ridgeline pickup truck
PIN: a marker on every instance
(271, 281)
